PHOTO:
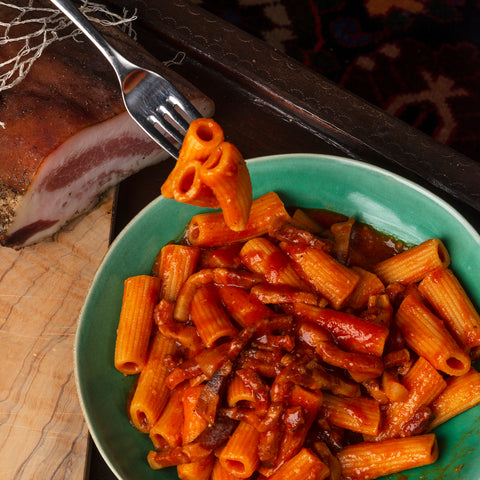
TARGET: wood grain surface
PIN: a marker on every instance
(269, 106)
(42, 289)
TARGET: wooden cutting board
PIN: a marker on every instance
(42, 288)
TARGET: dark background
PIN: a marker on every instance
(419, 60)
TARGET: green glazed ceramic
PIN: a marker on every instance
(388, 202)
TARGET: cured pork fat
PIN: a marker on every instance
(65, 136)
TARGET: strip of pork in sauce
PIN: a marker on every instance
(66, 138)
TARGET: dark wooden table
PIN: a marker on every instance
(267, 104)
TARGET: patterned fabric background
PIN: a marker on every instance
(417, 59)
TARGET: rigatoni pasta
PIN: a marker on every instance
(140, 296)
(150, 395)
(323, 272)
(173, 265)
(168, 428)
(263, 256)
(277, 355)
(201, 470)
(193, 424)
(226, 173)
(368, 460)
(443, 290)
(240, 456)
(427, 335)
(357, 414)
(460, 394)
(211, 173)
(210, 229)
(210, 319)
(305, 465)
(413, 264)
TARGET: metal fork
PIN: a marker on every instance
(151, 100)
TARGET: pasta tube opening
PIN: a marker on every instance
(457, 363)
(240, 456)
(186, 181)
(204, 135)
(130, 368)
(235, 466)
(139, 418)
(205, 132)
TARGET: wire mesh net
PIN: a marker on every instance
(28, 27)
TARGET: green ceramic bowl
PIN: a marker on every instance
(388, 202)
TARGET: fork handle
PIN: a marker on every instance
(120, 64)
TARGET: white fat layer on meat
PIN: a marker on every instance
(81, 193)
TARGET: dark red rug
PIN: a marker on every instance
(417, 59)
